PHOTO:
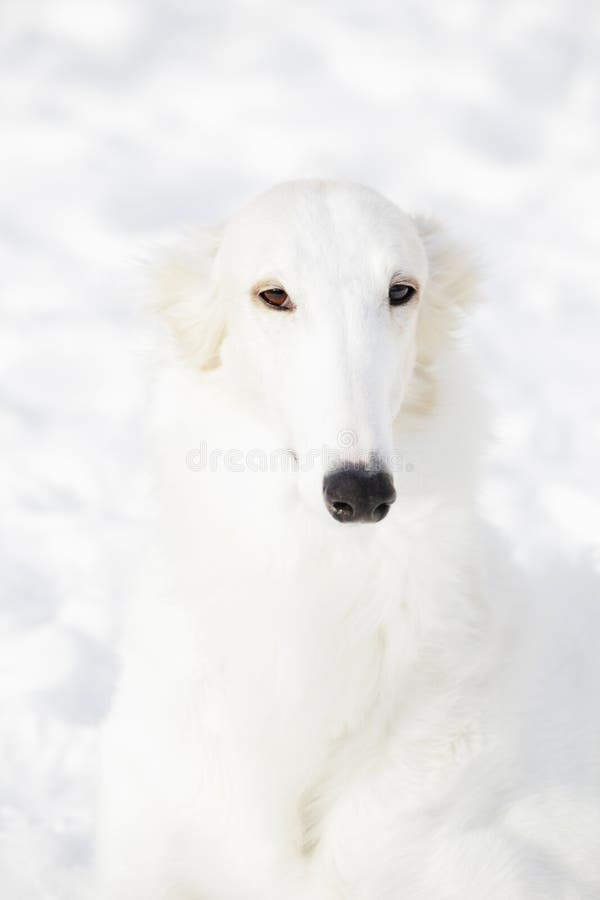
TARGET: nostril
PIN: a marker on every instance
(342, 510)
(380, 512)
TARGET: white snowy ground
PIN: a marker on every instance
(126, 119)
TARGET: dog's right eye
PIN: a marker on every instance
(277, 298)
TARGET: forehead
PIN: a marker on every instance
(309, 230)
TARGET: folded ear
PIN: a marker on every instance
(187, 298)
(452, 288)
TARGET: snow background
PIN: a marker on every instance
(123, 121)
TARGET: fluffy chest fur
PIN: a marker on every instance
(280, 699)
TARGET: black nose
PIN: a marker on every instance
(358, 494)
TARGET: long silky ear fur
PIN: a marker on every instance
(451, 289)
(187, 298)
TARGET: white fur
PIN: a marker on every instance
(317, 711)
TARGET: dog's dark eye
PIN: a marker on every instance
(401, 293)
(276, 297)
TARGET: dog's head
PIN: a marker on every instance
(328, 306)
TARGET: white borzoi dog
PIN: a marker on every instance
(328, 693)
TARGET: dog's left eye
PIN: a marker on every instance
(276, 297)
(400, 294)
